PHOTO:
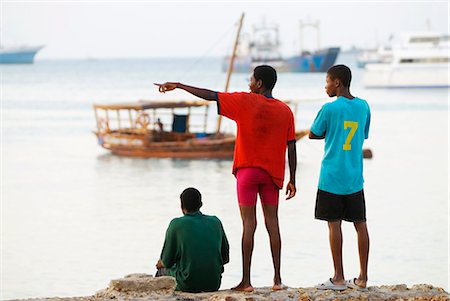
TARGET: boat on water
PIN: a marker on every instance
(18, 55)
(262, 47)
(382, 54)
(419, 60)
(156, 129)
(143, 134)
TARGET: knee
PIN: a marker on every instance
(334, 226)
(250, 226)
(360, 227)
(272, 225)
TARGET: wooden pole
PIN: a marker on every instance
(230, 67)
(118, 119)
(205, 120)
(130, 119)
(96, 119)
(188, 120)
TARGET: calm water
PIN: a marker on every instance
(74, 216)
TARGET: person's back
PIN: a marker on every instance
(347, 125)
(265, 124)
(198, 239)
(195, 248)
(344, 124)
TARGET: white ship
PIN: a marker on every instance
(420, 60)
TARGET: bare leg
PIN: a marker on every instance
(248, 215)
(363, 248)
(272, 226)
(336, 251)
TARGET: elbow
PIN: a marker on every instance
(311, 135)
(314, 136)
(212, 96)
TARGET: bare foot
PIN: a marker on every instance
(242, 287)
(279, 287)
(360, 283)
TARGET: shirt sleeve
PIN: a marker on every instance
(231, 104)
(291, 128)
(225, 250)
(319, 126)
(169, 254)
(366, 129)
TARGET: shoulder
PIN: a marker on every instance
(176, 222)
(212, 219)
(363, 103)
(329, 106)
(235, 95)
(283, 105)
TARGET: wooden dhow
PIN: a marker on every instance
(137, 130)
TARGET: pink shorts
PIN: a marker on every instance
(253, 180)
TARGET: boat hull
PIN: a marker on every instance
(197, 148)
(18, 56)
(138, 146)
(319, 61)
(391, 76)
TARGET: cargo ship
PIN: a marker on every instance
(262, 47)
(18, 55)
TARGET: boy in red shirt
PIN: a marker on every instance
(265, 126)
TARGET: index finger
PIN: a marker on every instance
(156, 84)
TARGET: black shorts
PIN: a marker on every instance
(334, 207)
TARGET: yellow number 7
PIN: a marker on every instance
(353, 125)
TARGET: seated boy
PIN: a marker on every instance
(195, 248)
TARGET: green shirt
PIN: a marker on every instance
(195, 250)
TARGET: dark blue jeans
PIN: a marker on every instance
(162, 272)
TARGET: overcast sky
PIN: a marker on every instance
(107, 29)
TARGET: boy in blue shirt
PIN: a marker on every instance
(344, 124)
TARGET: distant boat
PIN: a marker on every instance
(381, 54)
(18, 55)
(420, 60)
(262, 48)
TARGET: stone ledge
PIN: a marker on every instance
(143, 287)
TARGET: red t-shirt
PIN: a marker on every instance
(264, 127)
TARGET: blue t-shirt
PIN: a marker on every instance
(345, 124)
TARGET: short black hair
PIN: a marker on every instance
(341, 72)
(191, 199)
(267, 74)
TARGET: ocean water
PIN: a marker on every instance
(73, 216)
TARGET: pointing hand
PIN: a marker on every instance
(163, 88)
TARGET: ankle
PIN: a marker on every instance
(245, 283)
(361, 278)
(338, 279)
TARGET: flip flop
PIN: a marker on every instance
(329, 285)
(351, 283)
